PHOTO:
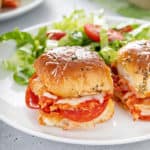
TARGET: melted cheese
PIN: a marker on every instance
(49, 95)
(76, 101)
(145, 112)
(145, 109)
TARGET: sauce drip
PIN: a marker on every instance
(32, 100)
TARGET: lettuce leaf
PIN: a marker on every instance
(73, 26)
(108, 54)
(74, 22)
(28, 48)
(142, 32)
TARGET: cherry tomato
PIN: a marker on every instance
(126, 29)
(92, 31)
(114, 35)
(53, 35)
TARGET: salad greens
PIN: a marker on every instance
(29, 47)
(75, 38)
(73, 26)
(104, 38)
(108, 54)
(74, 22)
(143, 32)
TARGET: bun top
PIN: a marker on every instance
(134, 65)
(73, 71)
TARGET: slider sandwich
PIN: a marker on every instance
(132, 78)
(72, 88)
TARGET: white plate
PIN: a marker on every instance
(26, 5)
(120, 129)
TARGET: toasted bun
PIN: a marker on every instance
(73, 71)
(54, 119)
(133, 64)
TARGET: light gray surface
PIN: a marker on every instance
(12, 139)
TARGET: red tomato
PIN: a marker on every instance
(126, 29)
(85, 111)
(53, 35)
(114, 35)
(11, 3)
(32, 100)
(145, 118)
(92, 31)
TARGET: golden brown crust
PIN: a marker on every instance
(73, 71)
(55, 119)
(0, 4)
(133, 64)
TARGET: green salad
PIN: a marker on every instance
(77, 29)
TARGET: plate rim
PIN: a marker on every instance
(20, 10)
(70, 140)
(74, 141)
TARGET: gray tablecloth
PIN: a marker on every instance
(12, 139)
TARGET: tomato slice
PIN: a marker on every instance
(145, 118)
(32, 100)
(11, 3)
(53, 35)
(85, 111)
(126, 29)
(114, 35)
(92, 31)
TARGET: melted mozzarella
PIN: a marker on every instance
(49, 95)
(76, 101)
(145, 109)
(145, 112)
(127, 95)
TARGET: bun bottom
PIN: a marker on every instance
(54, 119)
